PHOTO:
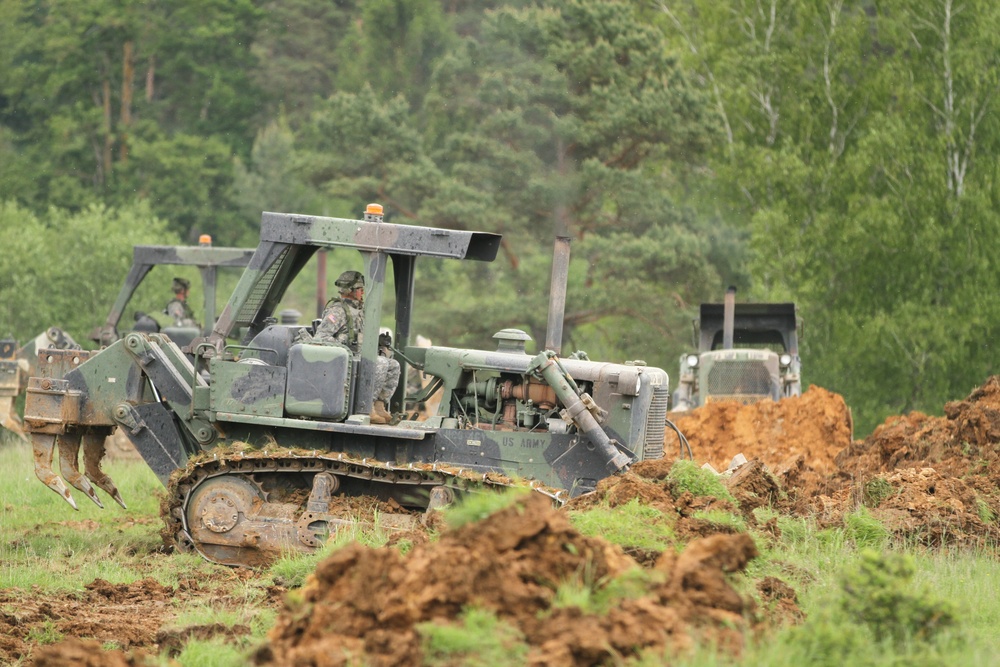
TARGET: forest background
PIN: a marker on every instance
(834, 153)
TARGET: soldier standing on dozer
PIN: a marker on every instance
(178, 308)
(342, 324)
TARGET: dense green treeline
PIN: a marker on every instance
(833, 153)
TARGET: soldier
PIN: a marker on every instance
(178, 308)
(342, 323)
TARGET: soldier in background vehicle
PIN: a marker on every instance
(177, 308)
(342, 323)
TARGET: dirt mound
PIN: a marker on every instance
(82, 653)
(929, 480)
(922, 506)
(933, 480)
(965, 441)
(368, 602)
(815, 425)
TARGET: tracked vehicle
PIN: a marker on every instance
(747, 352)
(262, 444)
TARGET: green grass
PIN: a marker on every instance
(478, 506)
(686, 475)
(599, 596)
(45, 543)
(629, 525)
(478, 639)
(40, 549)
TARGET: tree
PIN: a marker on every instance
(850, 158)
(90, 86)
(570, 119)
(94, 247)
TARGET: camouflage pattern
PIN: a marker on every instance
(303, 410)
(342, 323)
(386, 378)
(180, 312)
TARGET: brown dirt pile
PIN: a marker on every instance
(816, 425)
(368, 602)
(937, 477)
(965, 441)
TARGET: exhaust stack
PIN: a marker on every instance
(728, 318)
(557, 294)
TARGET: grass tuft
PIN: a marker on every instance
(686, 475)
(630, 525)
(478, 639)
(478, 506)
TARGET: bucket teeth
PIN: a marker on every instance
(69, 465)
(93, 454)
(43, 446)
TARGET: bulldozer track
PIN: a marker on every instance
(384, 478)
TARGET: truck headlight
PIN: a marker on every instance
(785, 360)
(692, 361)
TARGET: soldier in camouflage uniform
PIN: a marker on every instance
(178, 308)
(342, 324)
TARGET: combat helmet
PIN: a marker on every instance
(349, 280)
(181, 285)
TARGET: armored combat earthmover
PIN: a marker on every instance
(260, 443)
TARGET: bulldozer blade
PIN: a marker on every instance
(93, 454)
(69, 465)
(43, 446)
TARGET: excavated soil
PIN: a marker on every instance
(371, 602)
(929, 480)
(133, 617)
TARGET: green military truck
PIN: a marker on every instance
(262, 443)
(747, 352)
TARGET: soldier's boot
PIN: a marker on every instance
(379, 414)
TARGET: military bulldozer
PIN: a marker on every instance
(260, 444)
(747, 352)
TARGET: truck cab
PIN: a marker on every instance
(745, 353)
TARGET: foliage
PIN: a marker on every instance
(880, 594)
(109, 102)
(74, 294)
(686, 475)
(478, 506)
(865, 530)
(875, 491)
(722, 518)
(479, 638)
(850, 127)
(598, 597)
